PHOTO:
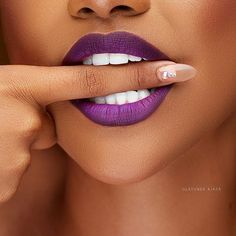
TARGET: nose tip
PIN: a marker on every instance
(107, 8)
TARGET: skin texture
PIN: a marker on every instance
(115, 178)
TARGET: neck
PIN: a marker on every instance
(197, 189)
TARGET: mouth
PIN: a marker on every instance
(116, 48)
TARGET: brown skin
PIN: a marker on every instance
(120, 186)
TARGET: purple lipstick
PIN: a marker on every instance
(117, 43)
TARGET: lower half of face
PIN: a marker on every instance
(200, 34)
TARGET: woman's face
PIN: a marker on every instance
(201, 33)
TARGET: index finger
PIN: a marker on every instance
(59, 83)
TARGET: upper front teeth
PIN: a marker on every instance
(110, 58)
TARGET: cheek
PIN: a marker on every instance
(205, 33)
(31, 31)
(199, 23)
(217, 16)
(211, 13)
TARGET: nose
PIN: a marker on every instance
(107, 8)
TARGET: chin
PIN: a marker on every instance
(115, 156)
(116, 166)
(116, 170)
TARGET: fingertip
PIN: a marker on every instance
(177, 72)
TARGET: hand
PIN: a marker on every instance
(25, 91)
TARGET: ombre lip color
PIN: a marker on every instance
(125, 43)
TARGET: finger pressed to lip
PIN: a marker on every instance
(54, 84)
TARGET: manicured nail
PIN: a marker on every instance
(177, 72)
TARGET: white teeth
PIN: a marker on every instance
(122, 98)
(110, 99)
(118, 58)
(101, 59)
(110, 58)
(134, 58)
(143, 93)
(132, 96)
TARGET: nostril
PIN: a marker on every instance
(122, 8)
(85, 11)
(105, 9)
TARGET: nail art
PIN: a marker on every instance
(178, 72)
(168, 74)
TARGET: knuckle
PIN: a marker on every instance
(137, 78)
(30, 126)
(21, 164)
(17, 166)
(93, 82)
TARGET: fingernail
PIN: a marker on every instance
(177, 72)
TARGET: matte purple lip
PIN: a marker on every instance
(117, 42)
(121, 115)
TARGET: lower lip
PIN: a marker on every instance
(122, 115)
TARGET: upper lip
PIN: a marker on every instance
(115, 42)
